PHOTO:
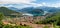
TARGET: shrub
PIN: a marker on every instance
(46, 27)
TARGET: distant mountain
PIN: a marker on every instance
(44, 8)
(21, 10)
(29, 10)
(13, 8)
(26, 9)
(7, 11)
(49, 9)
(34, 11)
(37, 12)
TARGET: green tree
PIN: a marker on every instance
(1, 16)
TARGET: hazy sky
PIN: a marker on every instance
(28, 3)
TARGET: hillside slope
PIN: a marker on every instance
(6, 11)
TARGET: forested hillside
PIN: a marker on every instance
(6, 11)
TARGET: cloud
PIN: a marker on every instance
(19, 3)
(26, 3)
(15, 1)
(53, 5)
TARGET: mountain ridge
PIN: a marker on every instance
(6, 11)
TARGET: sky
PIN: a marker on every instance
(29, 3)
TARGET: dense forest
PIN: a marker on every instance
(54, 19)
